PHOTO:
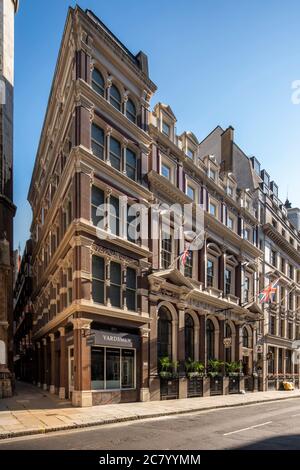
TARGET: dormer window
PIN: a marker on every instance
(166, 129)
(230, 191)
(190, 153)
(212, 174)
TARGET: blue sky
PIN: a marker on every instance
(226, 62)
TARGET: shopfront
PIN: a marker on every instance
(114, 366)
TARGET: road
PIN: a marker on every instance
(271, 426)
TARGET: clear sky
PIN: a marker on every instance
(227, 62)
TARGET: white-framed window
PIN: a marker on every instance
(212, 174)
(190, 153)
(190, 191)
(230, 222)
(247, 234)
(166, 253)
(166, 129)
(230, 190)
(213, 208)
(165, 171)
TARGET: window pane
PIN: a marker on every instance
(97, 134)
(98, 82)
(115, 146)
(115, 273)
(97, 368)
(114, 215)
(127, 368)
(112, 369)
(131, 110)
(115, 97)
(165, 171)
(131, 278)
(131, 300)
(98, 291)
(97, 196)
(98, 267)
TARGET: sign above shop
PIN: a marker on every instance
(115, 339)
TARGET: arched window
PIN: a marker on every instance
(98, 82)
(228, 350)
(164, 334)
(115, 97)
(131, 110)
(210, 339)
(189, 337)
(245, 338)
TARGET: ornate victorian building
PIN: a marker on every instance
(91, 316)
(118, 318)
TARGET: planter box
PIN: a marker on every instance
(169, 389)
(195, 387)
(234, 384)
(216, 385)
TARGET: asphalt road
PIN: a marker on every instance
(271, 426)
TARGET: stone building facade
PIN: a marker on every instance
(116, 318)
(8, 9)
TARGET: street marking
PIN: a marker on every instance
(246, 429)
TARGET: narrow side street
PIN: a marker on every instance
(269, 426)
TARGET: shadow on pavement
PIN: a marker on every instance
(283, 442)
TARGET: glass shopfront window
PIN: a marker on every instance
(112, 368)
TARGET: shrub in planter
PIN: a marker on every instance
(194, 368)
(168, 369)
(214, 367)
(233, 369)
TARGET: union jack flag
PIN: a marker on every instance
(184, 256)
(268, 293)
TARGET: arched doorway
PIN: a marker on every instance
(210, 339)
(189, 331)
(164, 333)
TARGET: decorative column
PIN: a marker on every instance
(63, 364)
(82, 395)
(144, 364)
(181, 352)
(83, 114)
(52, 360)
(39, 364)
(154, 384)
(45, 356)
(108, 132)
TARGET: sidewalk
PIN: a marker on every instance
(32, 411)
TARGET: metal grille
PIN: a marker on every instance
(169, 389)
(195, 387)
(216, 386)
(234, 384)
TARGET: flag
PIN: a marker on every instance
(268, 293)
(184, 256)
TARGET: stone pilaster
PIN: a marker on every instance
(82, 395)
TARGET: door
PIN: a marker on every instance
(71, 371)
